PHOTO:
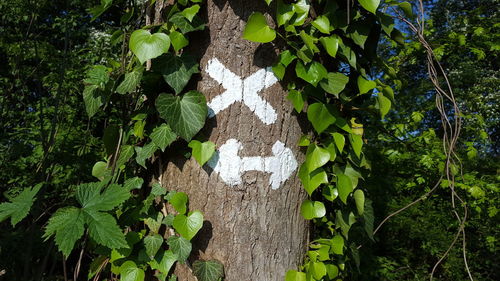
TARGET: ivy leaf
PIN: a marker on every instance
(332, 271)
(202, 151)
(331, 44)
(312, 209)
(297, 99)
(339, 141)
(126, 152)
(144, 153)
(356, 143)
(164, 261)
(180, 246)
(335, 83)
(130, 272)
(190, 12)
(133, 183)
(344, 186)
(185, 25)
(152, 243)
(311, 181)
(320, 116)
(98, 76)
(312, 73)
(345, 222)
(179, 202)
(188, 226)
(284, 13)
(317, 269)
(338, 245)
(293, 275)
(19, 206)
(316, 157)
(104, 229)
(176, 70)
(162, 136)
(359, 198)
(257, 30)
(68, 225)
(148, 46)
(178, 39)
(186, 115)
(365, 85)
(208, 270)
(268, 2)
(359, 32)
(130, 82)
(322, 24)
(384, 105)
(370, 5)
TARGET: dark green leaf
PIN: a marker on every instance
(162, 136)
(68, 225)
(180, 246)
(104, 230)
(19, 206)
(176, 70)
(335, 83)
(208, 270)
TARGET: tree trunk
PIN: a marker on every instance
(252, 226)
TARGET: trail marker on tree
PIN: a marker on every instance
(231, 167)
(242, 90)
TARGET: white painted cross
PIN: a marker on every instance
(242, 90)
(231, 167)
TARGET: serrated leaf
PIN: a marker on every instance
(180, 246)
(98, 76)
(179, 201)
(186, 115)
(130, 82)
(202, 151)
(320, 116)
(335, 83)
(92, 100)
(188, 226)
(312, 209)
(148, 46)
(152, 243)
(176, 70)
(104, 230)
(19, 206)
(130, 272)
(162, 136)
(311, 73)
(344, 186)
(208, 270)
(257, 30)
(370, 5)
(68, 225)
(112, 196)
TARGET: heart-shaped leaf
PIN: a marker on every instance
(322, 24)
(162, 136)
(312, 209)
(148, 46)
(365, 85)
(335, 83)
(312, 181)
(293, 275)
(339, 141)
(130, 272)
(179, 202)
(152, 244)
(311, 73)
(176, 70)
(316, 157)
(338, 245)
(320, 117)
(186, 115)
(208, 270)
(370, 5)
(344, 186)
(188, 226)
(202, 151)
(257, 30)
(331, 44)
(180, 246)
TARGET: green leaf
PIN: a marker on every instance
(312, 209)
(286, 57)
(312, 73)
(110, 139)
(144, 153)
(90, 197)
(370, 5)
(176, 70)
(68, 225)
(359, 198)
(338, 245)
(345, 222)
(133, 183)
(332, 271)
(293, 275)
(310, 41)
(356, 143)
(365, 85)
(344, 186)
(317, 269)
(179, 201)
(152, 243)
(98, 76)
(162, 136)
(180, 246)
(316, 157)
(330, 193)
(322, 24)
(297, 98)
(384, 105)
(208, 270)
(339, 141)
(320, 116)
(100, 170)
(126, 152)
(190, 12)
(331, 44)
(284, 13)
(349, 55)
(19, 206)
(92, 99)
(130, 82)
(185, 25)
(257, 30)
(104, 229)
(130, 272)
(178, 40)
(312, 181)
(186, 115)
(407, 9)
(202, 151)
(368, 218)
(387, 23)
(359, 32)
(164, 261)
(96, 11)
(335, 83)
(188, 226)
(268, 2)
(148, 46)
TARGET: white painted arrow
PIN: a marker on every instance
(242, 90)
(231, 167)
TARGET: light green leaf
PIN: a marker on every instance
(257, 30)
(148, 46)
(293, 275)
(359, 198)
(311, 181)
(365, 85)
(359, 32)
(304, 140)
(279, 70)
(68, 225)
(297, 98)
(162, 136)
(339, 141)
(322, 24)
(188, 226)
(284, 13)
(356, 143)
(332, 271)
(286, 57)
(335, 83)
(310, 41)
(104, 229)
(330, 193)
(384, 105)
(190, 12)
(370, 5)
(317, 269)
(316, 157)
(130, 272)
(202, 151)
(19, 206)
(178, 40)
(100, 170)
(331, 44)
(338, 245)
(96, 11)
(152, 243)
(164, 261)
(126, 152)
(312, 73)
(344, 186)
(320, 116)
(186, 115)
(208, 270)
(176, 70)
(268, 2)
(407, 9)
(179, 201)
(180, 246)
(312, 209)
(130, 82)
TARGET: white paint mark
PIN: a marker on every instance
(245, 90)
(231, 167)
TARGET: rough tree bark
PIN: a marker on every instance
(255, 231)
